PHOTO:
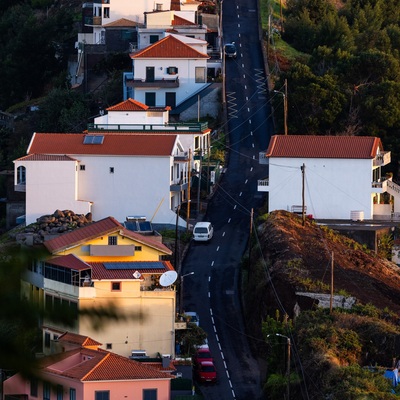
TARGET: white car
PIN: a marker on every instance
(203, 232)
(192, 317)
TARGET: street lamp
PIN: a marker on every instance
(285, 106)
(181, 292)
(287, 363)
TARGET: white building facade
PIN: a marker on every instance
(339, 176)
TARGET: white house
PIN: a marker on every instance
(183, 23)
(115, 174)
(134, 117)
(340, 177)
(167, 72)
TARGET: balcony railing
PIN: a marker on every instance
(187, 126)
(154, 83)
(178, 187)
(21, 187)
(382, 159)
(263, 185)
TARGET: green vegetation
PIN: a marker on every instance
(348, 81)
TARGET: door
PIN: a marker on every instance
(170, 99)
(149, 74)
(150, 99)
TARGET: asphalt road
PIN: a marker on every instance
(214, 288)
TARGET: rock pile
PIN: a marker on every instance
(50, 226)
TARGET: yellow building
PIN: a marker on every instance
(104, 266)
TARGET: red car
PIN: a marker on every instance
(202, 354)
(205, 372)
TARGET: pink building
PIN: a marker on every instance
(82, 371)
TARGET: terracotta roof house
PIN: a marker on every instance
(131, 116)
(105, 266)
(167, 72)
(339, 177)
(105, 174)
(84, 372)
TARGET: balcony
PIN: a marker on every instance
(178, 187)
(163, 83)
(186, 126)
(263, 185)
(20, 187)
(382, 159)
(262, 159)
(379, 186)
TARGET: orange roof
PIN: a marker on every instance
(122, 22)
(169, 47)
(134, 105)
(181, 21)
(101, 365)
(305, 146)
(77, 339)
(94, 230)
(46, 157)
(70, 261)
(115, 144)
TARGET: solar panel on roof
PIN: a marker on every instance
(132, 226)
(145, 226)
(93, 139)
(134, 265)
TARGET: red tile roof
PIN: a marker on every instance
(80, 340)
(134, 105)
(101, 365)
(99, 271)
(94, 230)
(169, 47)
(181, 21)
(305, 146)
(115, 144)
(70, 261)
(46, 157)
(122, 22)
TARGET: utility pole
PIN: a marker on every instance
(251, 230)
(285, 108)
(303, 207)
(189, 172)
(331, 299)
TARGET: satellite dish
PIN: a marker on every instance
(168, 278)
(137, 274)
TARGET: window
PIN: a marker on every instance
(177, 171)
(138, 248)
(115, 286)
(47, 339)
(172, 70)
(82, 167)
(108, 346)
(150, 99)
(34, 387)
(21, 175)
(111, 170)
(153, 39)
(149, 394)
(102, 395)
(60, 392)
(46, 391)
(200, 75)
(112, 240)
(106, 12)
(72, 394)
(172, 173)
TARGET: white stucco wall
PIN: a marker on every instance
(186, 74)
(51, 185)
(132, 9)
(333, 187)
(133, 117)
(138, 186)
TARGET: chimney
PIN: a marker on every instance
(175, 5)
(166, 359)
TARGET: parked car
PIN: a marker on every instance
(230, 50)
(202, 354)
(205, 372)
(192, 317)
(203, 231)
